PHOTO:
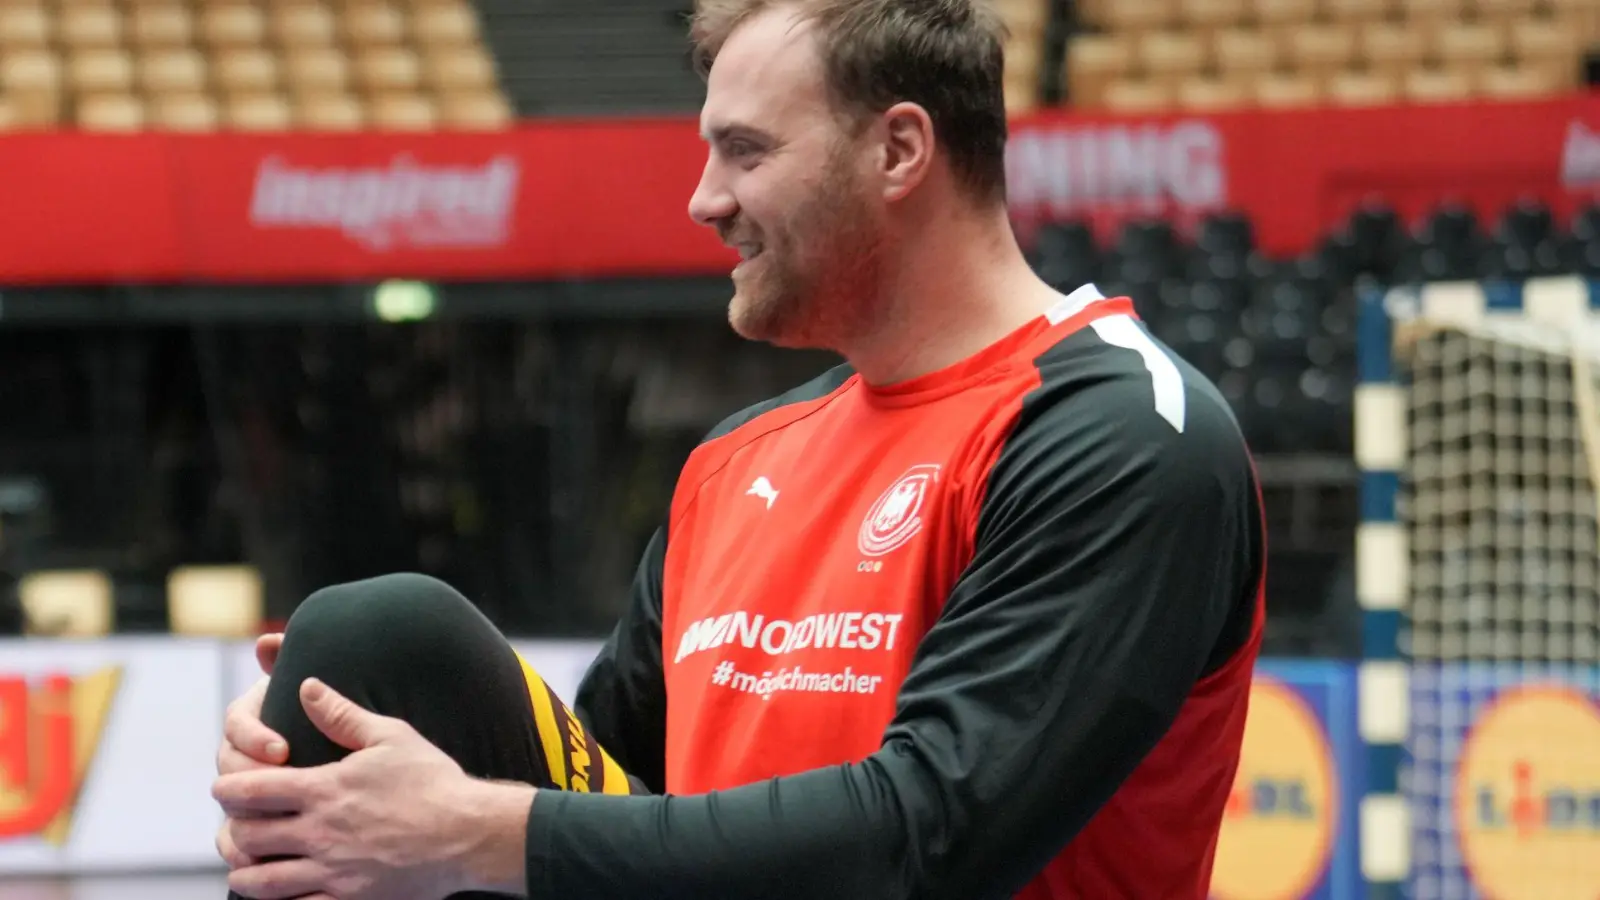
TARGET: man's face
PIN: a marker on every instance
(787, 183)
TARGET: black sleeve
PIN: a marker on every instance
(622, 700)
(1111, 550)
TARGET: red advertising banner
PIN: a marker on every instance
(552, 200)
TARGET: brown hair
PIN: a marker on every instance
(947, 56)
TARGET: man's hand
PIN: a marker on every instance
(247, 743)
(397, 819)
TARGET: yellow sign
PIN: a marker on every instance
(1282, 815)
(49, 732)
(1527, 796)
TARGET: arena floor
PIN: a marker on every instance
(119, 887)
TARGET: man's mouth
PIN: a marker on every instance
(748, 251)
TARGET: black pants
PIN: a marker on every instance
(411, 647)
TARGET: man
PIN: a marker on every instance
(973, 616)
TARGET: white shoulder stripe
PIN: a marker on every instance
(1170, 396)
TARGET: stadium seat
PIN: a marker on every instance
(89, 25)
(179, 111)
(240, 70)
(232, 24)
(302, 24)
(110, 112)
(1137, 95)
(24, 27)
(67, 603)
(1436, 86)
(100, 70)
(1363, 88)
(161, 71)
(457, 69)
(1246, 50)
(482, 110)
(1283, 90)
(402, 111)
(159, 25)
(1391, 48)
(439, 24)
(381, 70)
(316, 70)
(215, 601)
(257, 111)
(1093, 62)
(1207, 94)
(329, 112)
(369, 23)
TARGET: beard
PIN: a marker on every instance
(814, 280)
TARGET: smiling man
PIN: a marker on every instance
(971, 616)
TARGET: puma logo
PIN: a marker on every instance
(763, 488)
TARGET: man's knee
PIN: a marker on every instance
(388, 620)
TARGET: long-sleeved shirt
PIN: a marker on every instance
(986, 633)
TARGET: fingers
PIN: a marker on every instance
(266, 791)
(229, 851)
(279, 879)
(267, 648)
(277, 836)
(345, 723)
(244, 731)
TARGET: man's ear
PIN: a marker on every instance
(908, 149)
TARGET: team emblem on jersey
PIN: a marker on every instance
(896, 516)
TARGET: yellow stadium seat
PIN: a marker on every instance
(388, 69)
(232, 25)
(30, 72)
(1246, 50)
(329, 112)
(316, 70)
(1437, 86)
(1517, 83)
(1429, 17)
(100, 70)
(372, 23)
(1128, 95)
(215, 601)
(301, 24)
(183, 112)
(1213, 94)
(1094, 61)
(464, 68)
(1359, 12)
(24, 27)
(262, 111)
(1286, 90)
(1392, 47)
(1362, 88)
(1321, 50)
(67, 603)
(182, 70)
(1284, 17)
(162, 24)
(401, 111)
(483, 110)
(89, 26)
(445, 24)
(245, 70)
(1470, 45)
(1546, 41)
(110, 112)
(1173, 55)
(1206, 16)
(1138, 16)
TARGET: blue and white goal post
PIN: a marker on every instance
(1478, 572)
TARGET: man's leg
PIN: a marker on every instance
(411, 647)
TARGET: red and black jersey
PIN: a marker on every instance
(985, 633)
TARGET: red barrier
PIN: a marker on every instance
(564, 200)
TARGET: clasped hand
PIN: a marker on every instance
(380, 824)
